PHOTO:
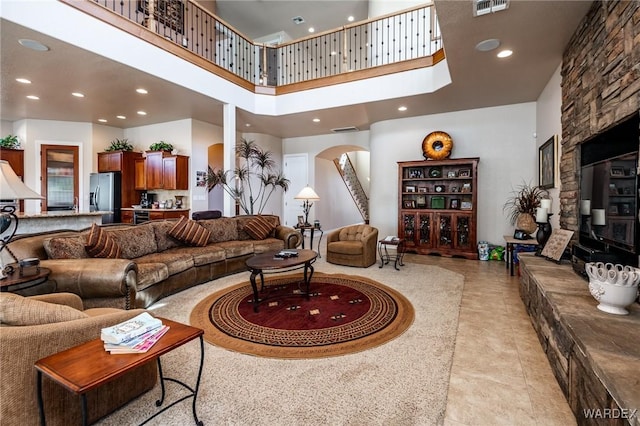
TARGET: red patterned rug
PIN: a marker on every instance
(344, 314)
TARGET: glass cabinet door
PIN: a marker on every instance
(424, 220)
(463, 232)
(409, 227)
(445, 231)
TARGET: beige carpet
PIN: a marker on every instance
(403, 382)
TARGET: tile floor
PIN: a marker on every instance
(500, 376)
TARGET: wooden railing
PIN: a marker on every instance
(403, 37)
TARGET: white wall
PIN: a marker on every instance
(203, 135)
(549, 123)
(335, 207)
(502, 137)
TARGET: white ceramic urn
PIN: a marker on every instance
(614, 286)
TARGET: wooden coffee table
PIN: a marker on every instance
(268, 263)
(88, 366)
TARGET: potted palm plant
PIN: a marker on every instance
(253, 182)
(119, 145)
(161, 146)
(10, 142)
(522, 204)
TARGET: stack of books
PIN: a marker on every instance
(133, 336)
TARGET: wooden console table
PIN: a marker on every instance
(594, 356)
(88, 366)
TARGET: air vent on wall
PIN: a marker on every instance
(482, 7)
(344, 129)
(297, 20)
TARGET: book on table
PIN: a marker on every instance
(139, 344)
(130, 329)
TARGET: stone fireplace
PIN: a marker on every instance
(600, 87)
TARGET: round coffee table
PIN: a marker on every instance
(267, 262)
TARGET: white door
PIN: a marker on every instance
(296, 169)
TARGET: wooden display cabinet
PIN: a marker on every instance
(438, 206)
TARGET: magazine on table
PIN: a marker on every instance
(139, 345)
(391, 238)
(130, 329)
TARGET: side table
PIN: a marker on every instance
(385, 257)
(88, 366)
(511, 242)
(16, 283)
(312, 229)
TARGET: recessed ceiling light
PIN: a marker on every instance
(505, 53)
(142, 91)
(142, 113)
(33, 45)
(102, 120)
(23, 80)
(121, 117)
(402, 108)
(247, 125)
(334, 53)
(316, 120)
(487, 45)
(350, 18)
(78, 94)
(35, 98)
(312, 30)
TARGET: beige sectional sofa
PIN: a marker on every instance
(151, 264)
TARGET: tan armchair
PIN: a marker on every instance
(353, 245)
(51, 327)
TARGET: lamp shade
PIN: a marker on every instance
(11, 187)
(307, 194)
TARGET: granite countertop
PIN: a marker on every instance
(44, 215)
(154, 210)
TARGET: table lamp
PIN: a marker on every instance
(11, 188)
(306, 194)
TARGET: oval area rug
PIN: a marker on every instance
(344, 314)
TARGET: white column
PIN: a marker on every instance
(229, 152)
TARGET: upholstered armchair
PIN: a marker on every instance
(353, 245)
(34, 327)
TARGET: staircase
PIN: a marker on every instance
(350, 178)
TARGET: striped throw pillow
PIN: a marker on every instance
(259, 228)
(190, 232)
(100, 244)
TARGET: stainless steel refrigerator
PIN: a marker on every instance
(104, 195)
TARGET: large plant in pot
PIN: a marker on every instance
(253, 182)
(522, 204)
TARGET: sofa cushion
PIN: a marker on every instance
(135, 241)
(236, 248)
(259, 228)
(19, 311)
(267, 244)
(65, 247)
(223, 229)
(101, 244)
(175, 259)
(190, 232)
(150, 274)
(161, 231)
(346, 247)
(203, 255)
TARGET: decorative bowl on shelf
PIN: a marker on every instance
(614, 286)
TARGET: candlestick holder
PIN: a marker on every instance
(543, 234)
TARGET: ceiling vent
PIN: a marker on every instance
(298, 20)
(482, 7)
(344, 129)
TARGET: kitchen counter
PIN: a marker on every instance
(131, 215)
(154, 210)
(30, 222)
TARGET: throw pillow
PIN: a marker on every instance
(100, 244)
(65, 247)
(259, 228)
(18, 311)
(189, 232)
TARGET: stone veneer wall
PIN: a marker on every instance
(600, 87)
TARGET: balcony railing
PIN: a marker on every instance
(404, 36)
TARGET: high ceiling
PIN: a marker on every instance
(536, 31)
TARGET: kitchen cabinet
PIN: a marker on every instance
(140, 174)
(123, 162)
(15, 158)
(437, 206)
(162, 170)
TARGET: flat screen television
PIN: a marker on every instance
(608, 207)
